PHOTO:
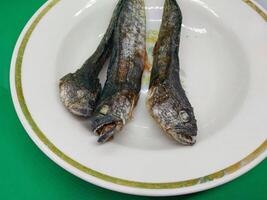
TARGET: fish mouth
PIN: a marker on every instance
(105, 132)
(105, 127)
(185, 139)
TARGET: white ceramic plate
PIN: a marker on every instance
(223, 61)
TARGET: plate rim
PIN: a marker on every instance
(107, 181)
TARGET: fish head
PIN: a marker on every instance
(185, 129)
(76, 96)
(173, 113)
(111, 115)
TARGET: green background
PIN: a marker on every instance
(26, 173)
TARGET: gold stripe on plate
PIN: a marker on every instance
(147, 185)
(257, 9)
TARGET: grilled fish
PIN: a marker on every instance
(167, 101)
(79, 91)
(121, 91)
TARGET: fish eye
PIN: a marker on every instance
(184, 116)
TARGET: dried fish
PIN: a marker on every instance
(79, 91)
(121, 90)
(167, 101)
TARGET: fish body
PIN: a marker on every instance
(167, 101)
(79, 91)
(121, 91)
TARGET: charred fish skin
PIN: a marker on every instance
(167, 101)
(79, 91)
(121, 91)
